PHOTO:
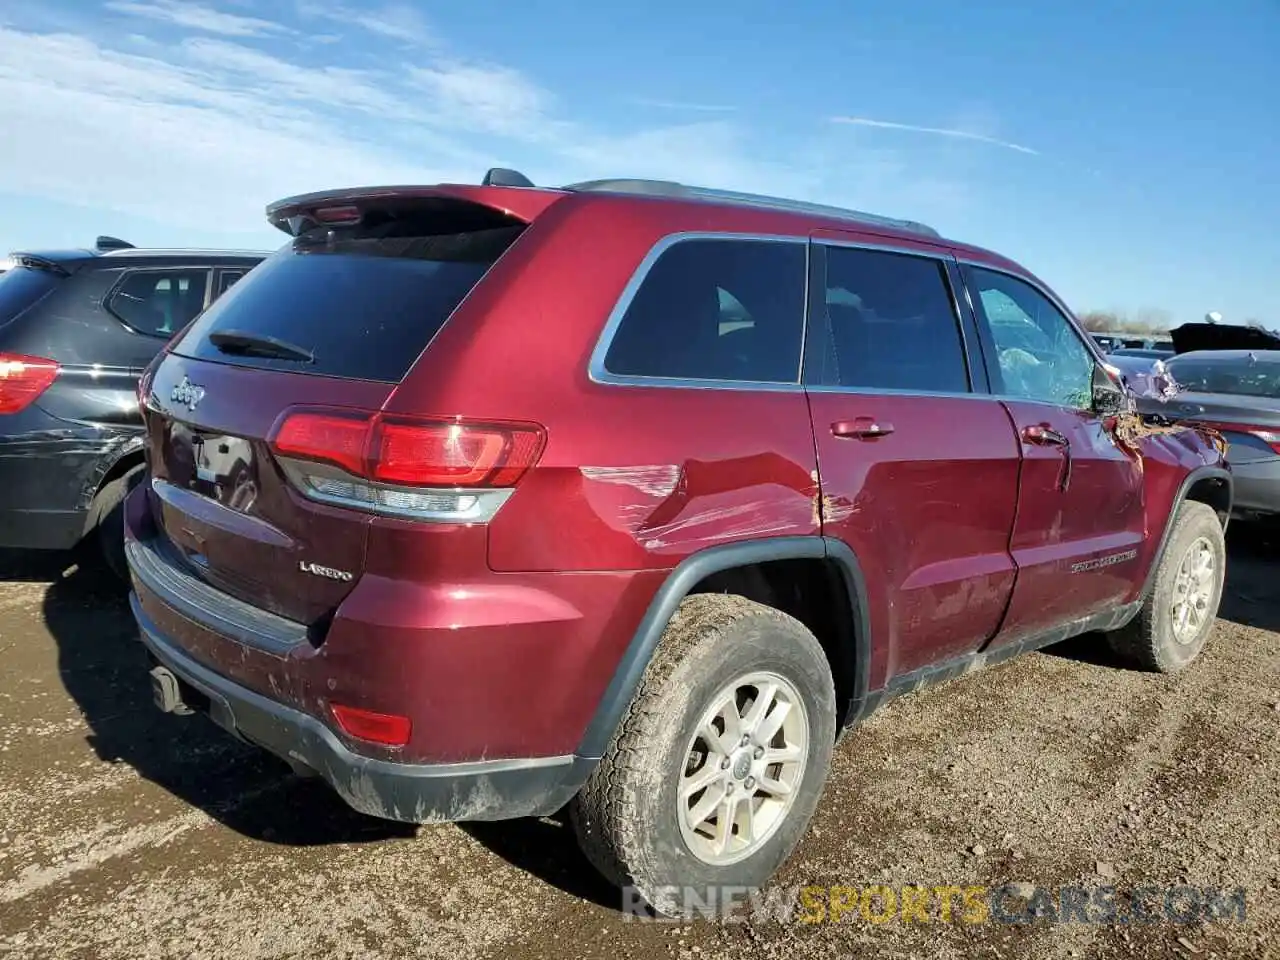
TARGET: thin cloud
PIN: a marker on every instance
(936, 131)
(238, 125)
(680, 105)
(398, 21)
(197, 17)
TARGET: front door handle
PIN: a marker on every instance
(1043, 435)
(861, 428)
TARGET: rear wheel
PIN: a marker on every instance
(714, 772)
(106, 517)
(1178, 613)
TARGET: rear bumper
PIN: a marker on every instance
(1257, 487)
(499, 693)
(40, 529)
(414, 793)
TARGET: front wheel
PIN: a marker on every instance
(1178, 613)
(721, 758)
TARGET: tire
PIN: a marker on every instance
(1151, 641)
(627, 817)
(107, 520)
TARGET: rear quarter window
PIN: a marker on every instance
(22, 288)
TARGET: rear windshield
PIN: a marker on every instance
(1243, 376)
(21, 288)
(363, 302)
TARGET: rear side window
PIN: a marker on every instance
(890, 324)
(364, 303)
(712, 309)
(22, 288)
(160, 302)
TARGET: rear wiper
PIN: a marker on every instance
(259, 345)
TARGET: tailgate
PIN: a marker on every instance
(221, 500)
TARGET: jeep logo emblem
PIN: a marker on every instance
(328, 572)
(186, 394)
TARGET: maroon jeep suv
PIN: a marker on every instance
(478, 501)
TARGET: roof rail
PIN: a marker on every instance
(670, 188)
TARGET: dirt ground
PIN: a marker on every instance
(125, 833)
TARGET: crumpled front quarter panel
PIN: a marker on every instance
(1166, 459)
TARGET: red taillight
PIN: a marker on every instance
(1270, 437)
(329, 438)
(388, 729)
(446, 454)
(419, 453)
(22, 379)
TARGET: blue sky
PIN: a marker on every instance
(1128, 153)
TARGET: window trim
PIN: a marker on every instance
(987, 340)
(975, 372)
(128, 272)
(596, 370)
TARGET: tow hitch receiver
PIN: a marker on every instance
(167, 692)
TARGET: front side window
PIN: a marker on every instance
(160, 302)
(712, 309)
(1039, 354)
(890, 325)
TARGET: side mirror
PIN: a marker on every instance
(1110, 395)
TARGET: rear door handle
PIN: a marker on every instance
(861, 428)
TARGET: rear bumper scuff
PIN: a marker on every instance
(413, 793)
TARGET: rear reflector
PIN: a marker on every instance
(23, 379)
(388, 729)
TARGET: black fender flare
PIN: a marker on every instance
(123, 444)
(682, 579)
(1208, 472)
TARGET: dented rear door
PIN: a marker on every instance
(918, 467)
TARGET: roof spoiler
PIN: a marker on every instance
(34, 261)
(505, 192)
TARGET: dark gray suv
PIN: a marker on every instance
(77, 328)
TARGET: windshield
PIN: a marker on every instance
(1246, 375)
(21, 288)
